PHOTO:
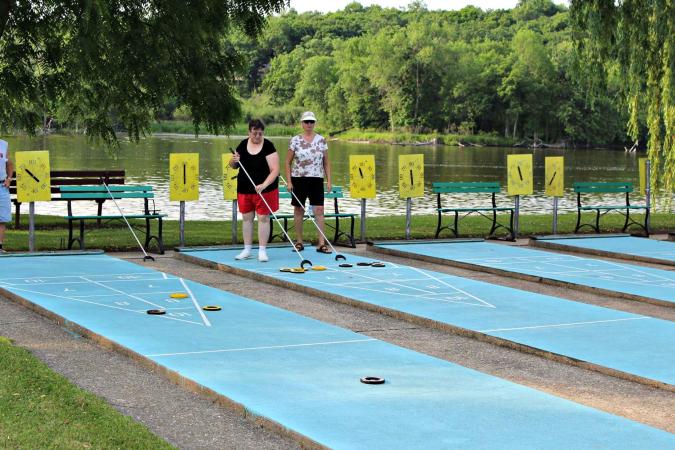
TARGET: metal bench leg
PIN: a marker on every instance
(578, 221)
(597, 221)
(456, 230)
(625, 224)
(81, 234)
(438, 226)
(494, 223)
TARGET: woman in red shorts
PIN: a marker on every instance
(261, 160)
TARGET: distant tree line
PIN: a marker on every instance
(513, 72)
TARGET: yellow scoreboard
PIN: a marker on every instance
(519, 174)
(184, 176)
(411, 176)
(362, 176)
(33, 183)
(554, 176)
(229, 178)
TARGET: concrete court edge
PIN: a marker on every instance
(417, 320)
(174, 377)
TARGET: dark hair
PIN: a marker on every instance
(256, 124)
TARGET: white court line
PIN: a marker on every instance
(271, 347)
(99, 304)
(489, 305)
(194, 300)
(57, 283)
(562, 324)
(113, 295)
(401, 294)
(84, 275)
(123, 293)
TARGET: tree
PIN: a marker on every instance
(638, 36)
(106, 62)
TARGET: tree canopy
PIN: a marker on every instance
(101, 63)
(637, 36)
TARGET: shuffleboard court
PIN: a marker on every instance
(615, 279)
(303, 375)
(614, 246)
(613, 342)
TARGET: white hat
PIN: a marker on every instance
(308, 115)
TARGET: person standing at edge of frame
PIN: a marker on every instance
(6, 174)
(260, 159)
(306, 166)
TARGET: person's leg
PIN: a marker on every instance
(318, 216)
(247, 231)
(298, 202)
(263, 235)
(5, 212)
(2, 237)
(298, 217)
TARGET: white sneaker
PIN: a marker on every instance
(262, 256)
(245, 254)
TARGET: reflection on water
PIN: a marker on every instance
(148, 163)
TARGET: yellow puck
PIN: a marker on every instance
(297, 270)
(211, 308)
(178, 295)
(319, 268)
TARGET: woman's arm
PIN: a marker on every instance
(326, 171)
(289, 160)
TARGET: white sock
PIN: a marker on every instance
(262, 254)
(245, 253)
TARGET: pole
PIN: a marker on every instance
(408, 215)
(363, 220)
(648, 191)
(181, 223)
(31, 227)
(234, 222)
(516, 221)
(555, 215)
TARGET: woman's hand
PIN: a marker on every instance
(234, 161)
(289, 185)
(259, 188)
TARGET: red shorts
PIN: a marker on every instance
(250, 202)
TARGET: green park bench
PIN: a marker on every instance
(340, 237)
(489, 212)
(72, 178)
(77, 193)
(612, 187)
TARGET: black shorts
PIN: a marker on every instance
(307, 187)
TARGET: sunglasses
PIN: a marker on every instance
(308, 121)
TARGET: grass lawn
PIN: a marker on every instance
(41, 409)
(52, 233)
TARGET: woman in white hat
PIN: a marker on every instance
(307, 167)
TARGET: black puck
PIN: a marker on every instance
(363, 263)
(156, 312)
(372, 380)
(346, 265)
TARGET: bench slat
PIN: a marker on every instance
(461, 186)
(128, 216)
(100, 188)
(105, 195)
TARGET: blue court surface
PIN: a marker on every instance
(623, 342)
(304, 374)
(617, 246)
(612, 278)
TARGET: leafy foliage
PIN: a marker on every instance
(106, 64)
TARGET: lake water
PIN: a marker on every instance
(148, 163)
